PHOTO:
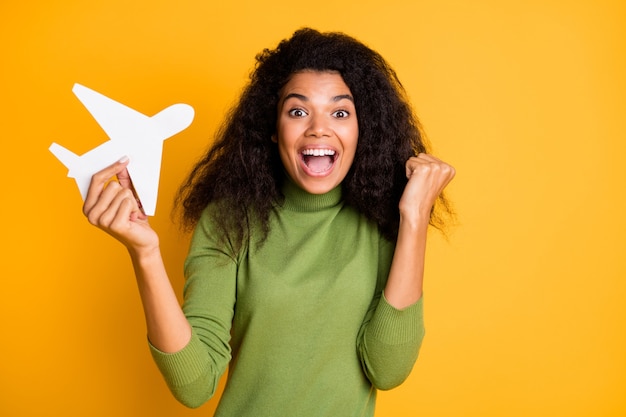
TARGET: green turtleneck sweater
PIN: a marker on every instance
(302, 316)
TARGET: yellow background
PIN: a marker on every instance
(526, 303)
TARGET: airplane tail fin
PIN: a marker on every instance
(67, 157)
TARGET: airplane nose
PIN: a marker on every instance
(174, 119)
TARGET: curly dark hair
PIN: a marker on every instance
(242, 172)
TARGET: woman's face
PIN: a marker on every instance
(317, 130)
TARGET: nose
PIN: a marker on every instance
(318, 126)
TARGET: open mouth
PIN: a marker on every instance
(318, 161)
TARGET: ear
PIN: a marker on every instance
(274, 139)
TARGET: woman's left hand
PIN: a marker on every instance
(428, 176)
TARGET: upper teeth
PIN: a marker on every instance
(318, 152)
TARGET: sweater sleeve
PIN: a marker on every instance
(390, 339)
(193, 373)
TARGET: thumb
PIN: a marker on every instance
(123, 177)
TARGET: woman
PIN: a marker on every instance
(310, 214)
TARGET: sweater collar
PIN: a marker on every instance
(297, 199)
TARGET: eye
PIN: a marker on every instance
(341, 114)
(297, 112)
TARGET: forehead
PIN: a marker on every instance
(315, 82)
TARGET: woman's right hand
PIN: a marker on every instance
(113, 207)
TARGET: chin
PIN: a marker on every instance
(317, 186)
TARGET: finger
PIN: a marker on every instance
(105, 201)
(124, 216)
(125, 212)
(138, 214)
(414, 162)
(124, 179)
(410, 165)
(119, 214)
(106, 218)
(128, 196)
(99, 180)
(429, 164)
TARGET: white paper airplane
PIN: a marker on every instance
(131, 134)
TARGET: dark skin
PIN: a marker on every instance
(113, 207)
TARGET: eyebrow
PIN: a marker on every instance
(305, 98)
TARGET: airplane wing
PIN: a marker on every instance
(117, 120)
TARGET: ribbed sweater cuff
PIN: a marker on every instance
(183, 367)
(395, 327)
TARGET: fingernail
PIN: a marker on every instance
(123, 159)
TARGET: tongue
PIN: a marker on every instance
(319, 163)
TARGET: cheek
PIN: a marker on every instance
(287, 152)
(287, 134)
(351, 139)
